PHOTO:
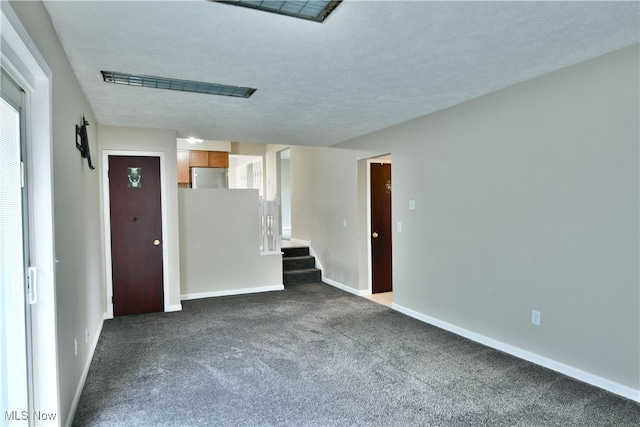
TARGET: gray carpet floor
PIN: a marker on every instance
(313, 355)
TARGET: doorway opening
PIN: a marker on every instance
(380, 222)
(283, 166)
(375, 188)
(246, 172)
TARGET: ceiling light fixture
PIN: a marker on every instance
(192, 140)
(175, 84)
(312, 10)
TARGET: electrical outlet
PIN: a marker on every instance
(535, 317)
(75, 345)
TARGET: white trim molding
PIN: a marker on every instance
(345, 288)
(570, 371)
(324, 278)
(300, 242)
(270, 253)
(230, 292)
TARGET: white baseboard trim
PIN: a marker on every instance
(325, 279)
(580, 375)
(85, 372)
(300, 242)
(344, 287)
(229, 292)
(174, 307)
(315, 257)
(270, 253)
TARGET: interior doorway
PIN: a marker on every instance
(283, 165)
(246, 172)
(380, 188)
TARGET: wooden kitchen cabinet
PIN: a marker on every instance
(208, 159)
(198, 159)
(218, 159)
(183, 167)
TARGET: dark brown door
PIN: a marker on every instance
(136, 234)
(381, 227)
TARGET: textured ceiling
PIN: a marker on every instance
(370, 65)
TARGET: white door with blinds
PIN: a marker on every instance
(16, 278)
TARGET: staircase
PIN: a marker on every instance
(299, 267)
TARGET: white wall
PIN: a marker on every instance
(526, 199)
(206, 145)
(162, 141)
(79, 276)
(326, 190)
(220, 245)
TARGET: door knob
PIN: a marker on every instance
(156, 242)
(375, 235)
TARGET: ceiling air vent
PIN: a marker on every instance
(174, 84)
(312, 10)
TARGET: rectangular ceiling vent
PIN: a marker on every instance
(312, 10)
(175, 84)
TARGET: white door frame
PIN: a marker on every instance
(107, 224)
(22, 60)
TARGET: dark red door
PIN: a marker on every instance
(136, 234)
(381, 227)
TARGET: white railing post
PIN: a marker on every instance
(269, 225)
(261, 223)
(276, 224)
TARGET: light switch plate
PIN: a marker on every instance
(412, 205)
(535, 317)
